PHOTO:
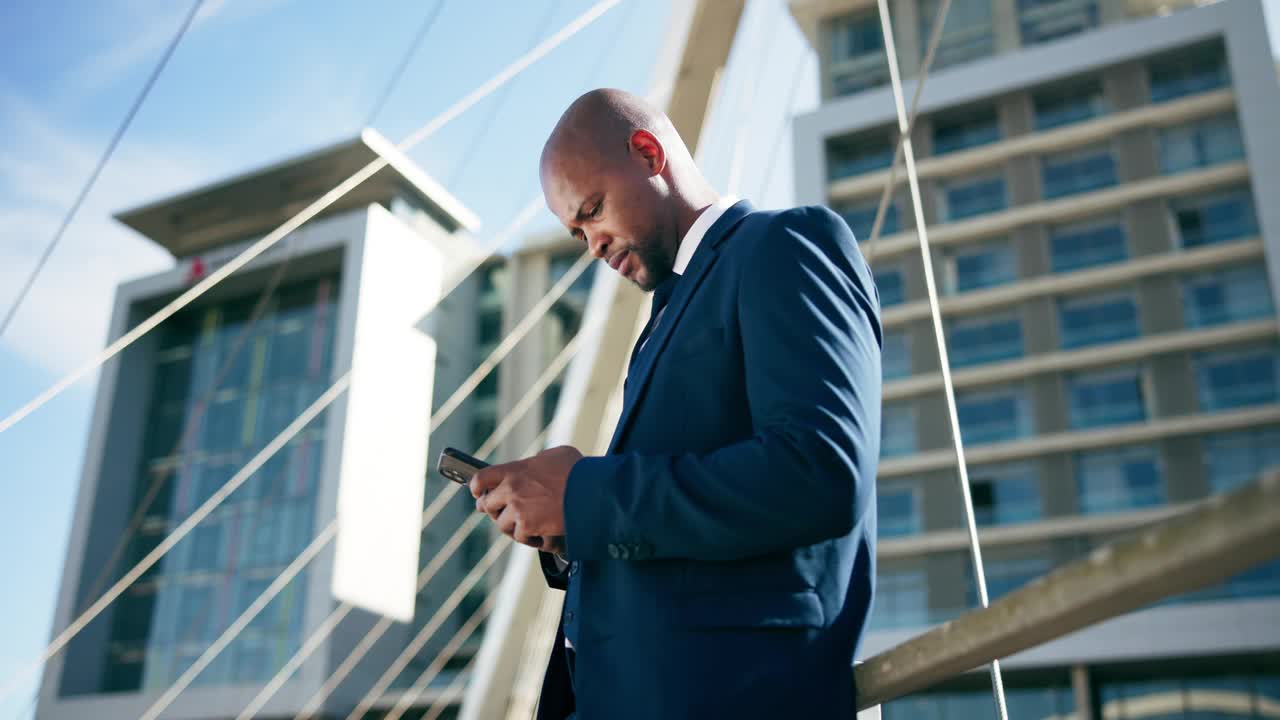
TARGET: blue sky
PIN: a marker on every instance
(255, 81)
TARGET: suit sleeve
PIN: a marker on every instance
(809, 318)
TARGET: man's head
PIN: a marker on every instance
(619, 177)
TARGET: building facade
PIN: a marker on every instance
(186, 407)
(1097, 179)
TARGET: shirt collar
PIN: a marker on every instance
(692, 239)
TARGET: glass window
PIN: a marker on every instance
(966, 35)
(1004, 575)
(895, 358)
(890, 285)
(858, 154)
(1188, 71)
(1087, 244)
(1232, 294)
(974, 268)
(1005, 494)
(902, 599)
(967, 197)
(1230, 379)
(858, 59)
(1214, 218)
(989, 416)
(898, 509)
(897, 429)
(1120, 479)
(861, 218)
(1234, 459)
(1200, 144)
(1072, 102)
(1045, 20)
(1097, 319)
(983, 339)
(965, 129)
(1078, 171)
(1107, 397)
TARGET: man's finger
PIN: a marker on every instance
(494, 501)
(506, 522)
(486, 479)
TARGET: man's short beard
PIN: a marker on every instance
(656, 263)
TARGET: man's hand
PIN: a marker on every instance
(526, 497)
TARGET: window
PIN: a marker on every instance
(1087, 244)
(1045, 20)
(1214, 218)
(965, 129)
(861, 218)
(858, 154)
(1022, 702)
(205, 547)
(1004, 575)
(972, 196)
(898, 509)
(1122, 479)
(1234, 459)
(984, 339)
(1232, 294)
(895, 359)
(902, 599)
(1108, 397)
(1200, 144)
(890, 285)
(858, 59)
(966, 35)
(993, 415)
(897, 429)
(974, 268)
(1230, 379)
(1097, 319)
(1078, 171)
(1071, 102)
(1188, 71)
(1005, 494)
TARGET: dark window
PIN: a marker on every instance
(1120, 479)
(1188, 71)
(1107, 397)
(895, 358)
(1215, 218)
(1045, 20)
(1237, 378)
(1200, 144)
(890, 285)
(1232, 294)
(973, 196)
(897, 510)
(984, 266)
(858, 60)
(1097, 319)
(1078, 171)
(967, 33)
(1088, 244)
(993, 415)
(965, 129)
(897, 429)
(984, 339)
(861, 218)
(1071, 102)
(858, 154)
(1234, 459)
(1005, 494)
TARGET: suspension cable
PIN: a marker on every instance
(427, 23)
(102, 164)
(459, 681)
(265, 454)
(913, 182)
(447, 653)
(311, 210)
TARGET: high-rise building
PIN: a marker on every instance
(188, 405)
(1099, 181)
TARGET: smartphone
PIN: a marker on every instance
(458, 466)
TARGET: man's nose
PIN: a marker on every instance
(599, 245)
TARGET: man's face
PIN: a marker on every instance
(615, 208)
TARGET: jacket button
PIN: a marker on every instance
(624, 552)
(568, 616)
(614, 551)
(573, 568)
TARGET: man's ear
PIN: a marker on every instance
(647, 149)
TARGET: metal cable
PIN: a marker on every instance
(913, 182)
(464, 633)
(310, 211)
(425, 634)
(459, 681)
(102, 164)
(405, 58)
(260, 459)
(935, 39)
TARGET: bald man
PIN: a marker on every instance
(719, 559)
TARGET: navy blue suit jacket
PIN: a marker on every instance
(725, 545)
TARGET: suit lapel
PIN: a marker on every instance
(705, 256)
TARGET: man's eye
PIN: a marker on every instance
(595, 211)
